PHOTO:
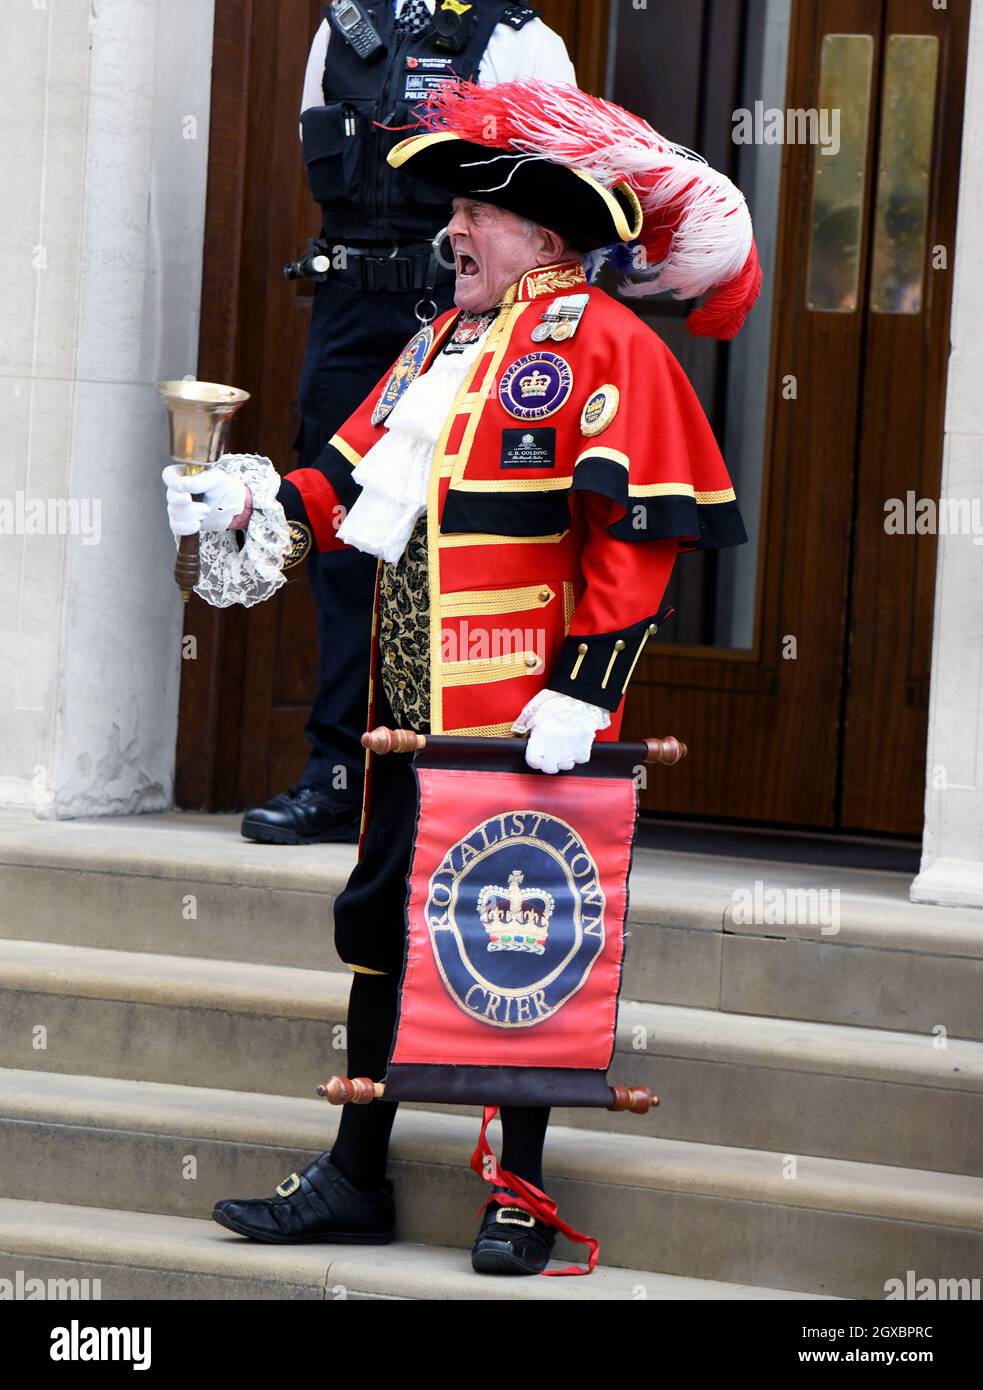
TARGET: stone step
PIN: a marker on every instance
(136, 1255)
(130, 883)
(858, 1093)
(699, 1211)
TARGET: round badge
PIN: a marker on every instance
(541, 332)
(599, 411)
(563, 330)
(536, 385)
(516, 919)
(301, 541)
(411, 359)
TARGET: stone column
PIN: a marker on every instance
(104, 108)
(952, 849)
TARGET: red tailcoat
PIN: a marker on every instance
(559, 496)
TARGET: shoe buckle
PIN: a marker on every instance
(518, 1218)
(289, 1185)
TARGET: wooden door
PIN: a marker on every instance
(901, 415)
(797, 672)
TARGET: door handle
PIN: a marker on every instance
(904, 175)
(845, 73)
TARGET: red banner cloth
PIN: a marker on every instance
(517, 900)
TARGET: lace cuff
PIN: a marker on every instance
(247, 576)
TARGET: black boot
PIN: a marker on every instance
(319, 1204)
(510, 1241)
(302, 816)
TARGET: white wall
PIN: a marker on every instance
(104, 112)
(952, 849)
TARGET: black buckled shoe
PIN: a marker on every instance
(319, 1204)
(510, 1241)
(301, 816)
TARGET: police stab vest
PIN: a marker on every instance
(361, 197)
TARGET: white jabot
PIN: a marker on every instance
(535, 50)
(394, 475)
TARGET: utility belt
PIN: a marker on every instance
(372, 267)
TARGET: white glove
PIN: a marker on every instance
(561, 730)
(224, 499)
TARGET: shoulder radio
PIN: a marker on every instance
(349, 19)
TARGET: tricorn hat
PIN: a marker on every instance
(600, 177)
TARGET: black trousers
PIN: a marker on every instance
(369, 931)
(369, 911)
(354, 337)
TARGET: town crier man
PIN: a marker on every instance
(526, 475)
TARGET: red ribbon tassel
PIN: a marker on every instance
(527, 1198)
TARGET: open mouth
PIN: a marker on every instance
(467, 266)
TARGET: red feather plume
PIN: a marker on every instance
(696, 235)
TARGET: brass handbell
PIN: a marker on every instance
(200, 415)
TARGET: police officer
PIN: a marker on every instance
(373, 61)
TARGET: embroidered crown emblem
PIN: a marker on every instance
(516, 919)
(535, 384)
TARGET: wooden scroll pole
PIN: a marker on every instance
(344, 1090)
(666, 751)
(359, 1090)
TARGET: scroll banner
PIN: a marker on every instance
(515, 921)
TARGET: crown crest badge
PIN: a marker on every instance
(516, 919)
(511, 957)
(535, 384)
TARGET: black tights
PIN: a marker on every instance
(363, 1135)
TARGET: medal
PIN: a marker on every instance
(560, 321)
(566, 315)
